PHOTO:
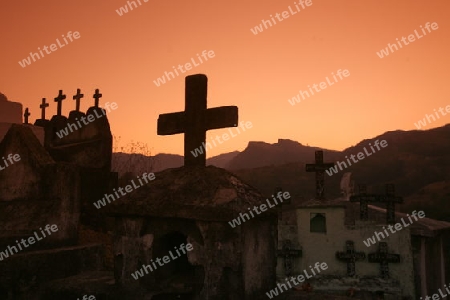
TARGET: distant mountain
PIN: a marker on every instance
(222, 160)
(259, 154)
(417, 162)
(411, 160)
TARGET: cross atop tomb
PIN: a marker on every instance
(59, 99)
(363, 200)
(77, 98)
(390, 199)
(196, 119)
(26, 115)
(43, 106)
(319, 167)
(97, 96)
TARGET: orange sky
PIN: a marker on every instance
(123, 55)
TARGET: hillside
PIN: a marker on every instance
(417, 162)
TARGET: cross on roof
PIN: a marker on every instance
(43, 106)
(196, 119)
(363, 200)
(390, 199)
(390, 203)
(384, 258)
(350, 256)
(26, 115)
(59, 99)
(288, 253)
(319, 167)
(77, 98)
(97, 96)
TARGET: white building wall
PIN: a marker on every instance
(322, 247)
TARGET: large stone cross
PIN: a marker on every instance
(97, 96)
(77, 98)
(288, 253)
(319, 167)
(196, 119)
(43, 106)
(390, 199)
(384, 258)
(350, 257)
(59, 99)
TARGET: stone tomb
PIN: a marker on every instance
(51, 184)
(193, 204)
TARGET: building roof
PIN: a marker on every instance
(423, 226)
(200, 193)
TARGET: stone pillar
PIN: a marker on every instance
(127, 249)
(423, 271)
(442, 264)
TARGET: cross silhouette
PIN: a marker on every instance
(77, 98)
(384, 258)
(26, 115)
(390, 199)
(97, 96)
(350, 257)
(363, 200)
(196, 120)
(319, 167)
(59, 99)
(43, 106)
(288, 253)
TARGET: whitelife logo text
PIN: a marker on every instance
(53, 47)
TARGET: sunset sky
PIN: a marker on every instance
(124, 55)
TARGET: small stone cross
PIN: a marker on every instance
(288, 253)
(390, 199)
(384, 258)
(97, 96)
(77, 98)
(350, 257)
(59, 99)
(43, 106)
(26, 115)
(319, 167)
